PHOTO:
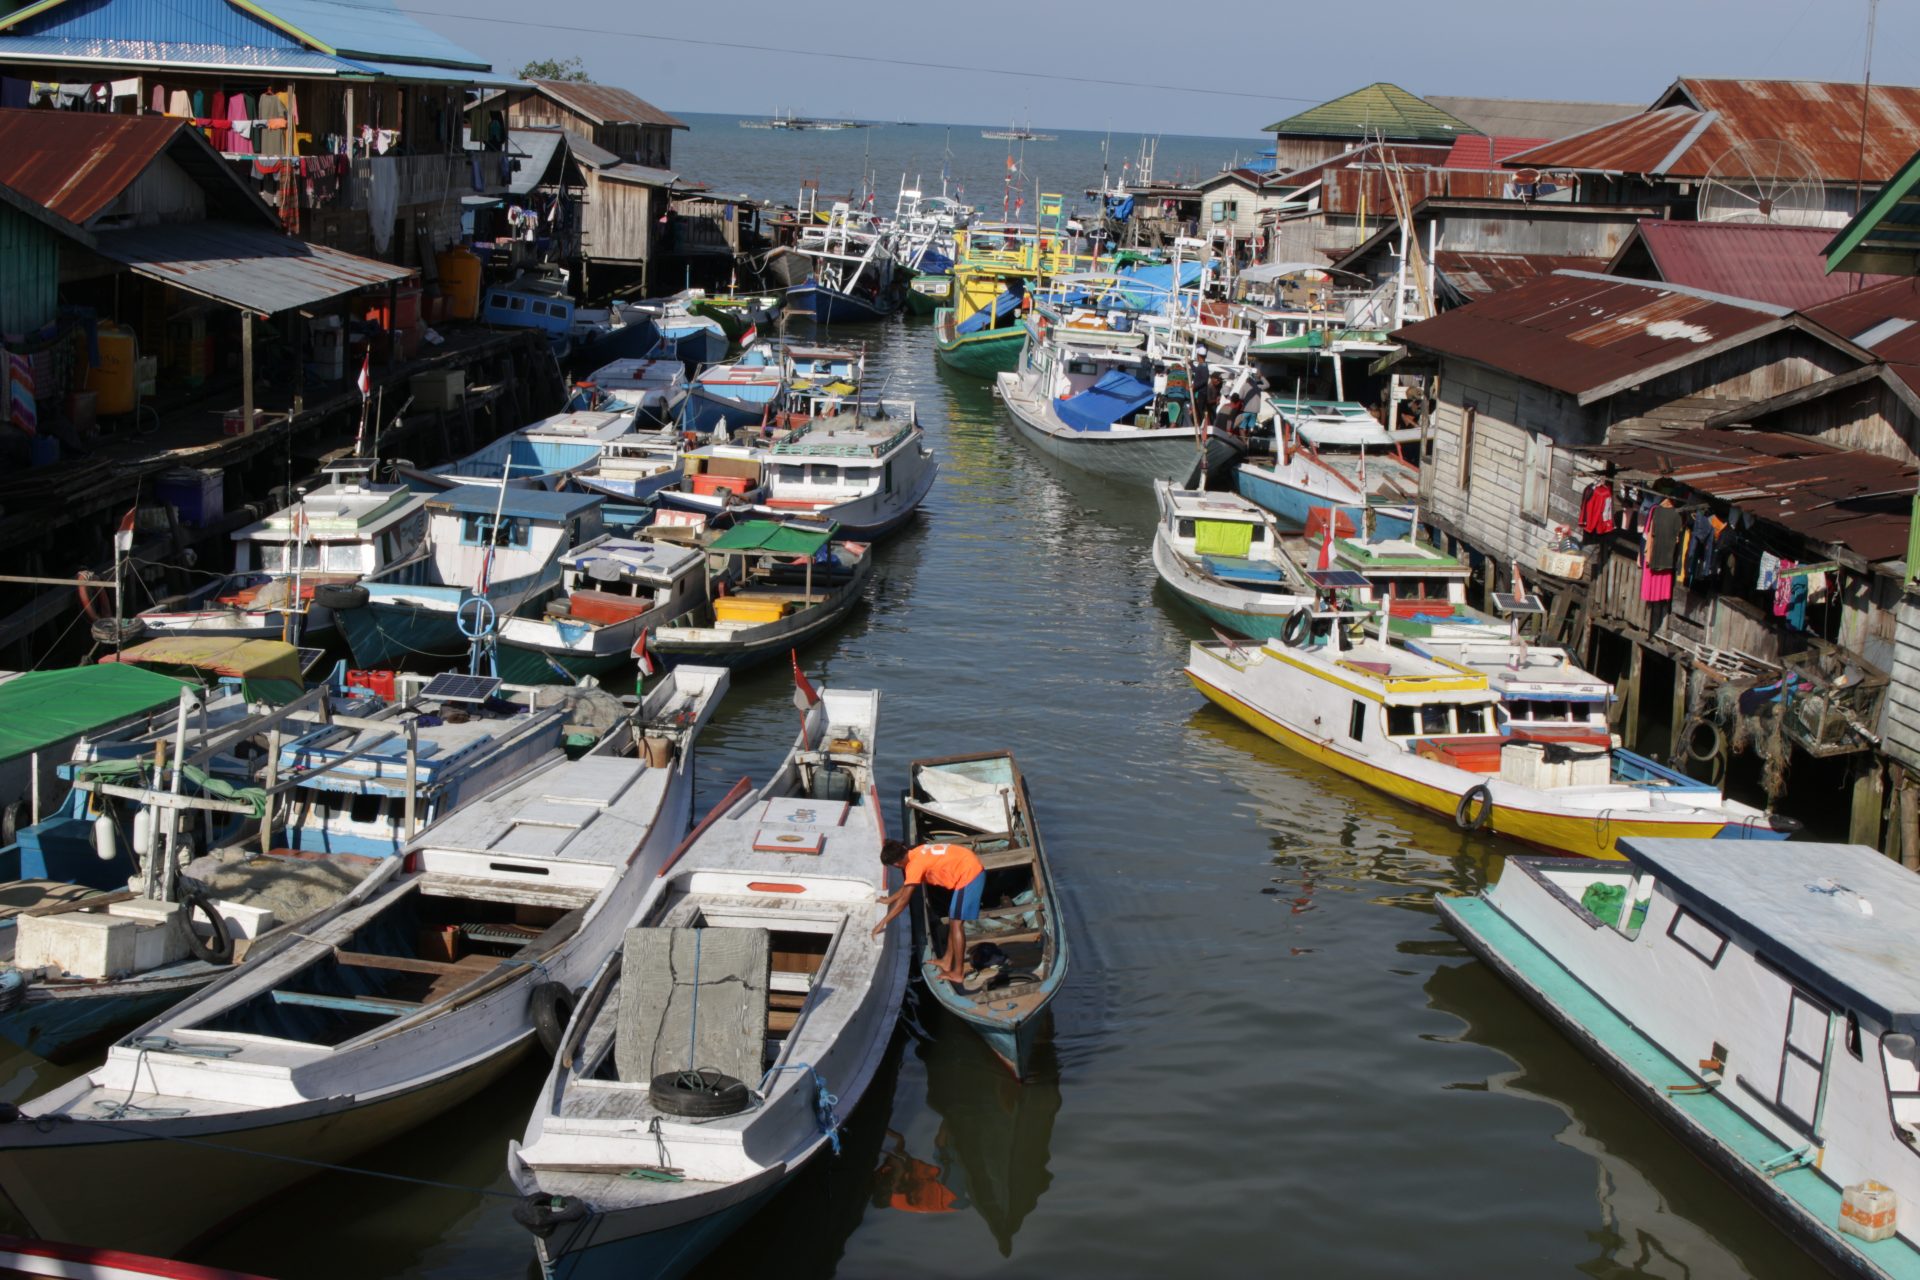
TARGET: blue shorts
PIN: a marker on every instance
(966, 899)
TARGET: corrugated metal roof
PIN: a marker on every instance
(76, 162)
(591, 154)
(1885, 235)
(1582, 334)
(1858, 315)
(1478, 274)
(1548, 118)
(1478, 151)
(604, 104)
(172, 54)
(1380, 109)
(1849, 497)
(639, 173)
(1822, 119)
(215, 22)
(1778, 264)
(372, 29)
(533, 151)
(253, 268)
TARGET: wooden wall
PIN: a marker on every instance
(619, 220)
(1868, 415)
(1900, 720)
(648, 144)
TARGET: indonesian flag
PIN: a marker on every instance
(1519, 587)
(365, 380)
(486, 571)
(640, 654)
(804, 696)
(751, 336)
(123, 536)
(1326, 541)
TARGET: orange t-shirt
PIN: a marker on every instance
(951, 866)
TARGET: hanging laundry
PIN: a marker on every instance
(159, 103)
(1596, 509)
(1769, 571)
(1664, 537)
(1655, 585)
(1783, 589)
(180, 103)
(22, 408)
(1796, 613)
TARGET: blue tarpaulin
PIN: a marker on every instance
(1142, 288)
(989, 317)
(1120, 208)
(1116, 395)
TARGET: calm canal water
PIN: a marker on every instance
(1269, 1055)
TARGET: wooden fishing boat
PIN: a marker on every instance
(1222, 556)
(400, 1002)
(612, 591)
(84, 1262)
(735, 313)
(635, 467)
(864, 467)
(1424, 731)
(756, 956)
(785, 584)
(852, 270)
(1017, 950)
(1332, 457)
(985, 342)
(541, 456)
(1758, 1002)
(651, 392)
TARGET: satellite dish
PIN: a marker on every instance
(1766, 180)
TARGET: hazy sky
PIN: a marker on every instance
(1281, 55)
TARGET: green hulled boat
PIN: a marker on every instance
(927, 294)
(984, 351)
(735, 314)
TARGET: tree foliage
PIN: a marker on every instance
(555, 69)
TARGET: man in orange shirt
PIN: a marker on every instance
(952, 867)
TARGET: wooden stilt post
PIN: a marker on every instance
(1909, 823)
(1630, 727)
(246, 373)
(1867, 787)
(1682, 677)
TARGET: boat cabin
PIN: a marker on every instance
(347, 527)
(1540, 687)
(542, 453)
(834, 458)
(1229, 538)
(525, 529)
(615, 579)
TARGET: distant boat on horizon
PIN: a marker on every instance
(1014, 133)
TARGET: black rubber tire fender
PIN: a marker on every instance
(1299, 627)
(1464, 816)
(552, 1005)
(340, 595)
(703, 1094)
(543, 1215)
(218, 949)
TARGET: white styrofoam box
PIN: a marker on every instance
(242, 921)
(85, 944)
(161, 937)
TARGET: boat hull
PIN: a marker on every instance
(1710, 1127)
(629, 1242)
(983, 354)
(1587, 835)
(706, 410)
(152, 1195)
(1126, 456)
(1305, 508)
(830, 306)
(1245, 612)
(521, 664)
(629, 490)
(386, 635)
(64, 1028)
(926, 294)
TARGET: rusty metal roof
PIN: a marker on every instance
(604, 104)
(1768, 263)
(1846, 497)
(1696, 122)
(1589, 335)
(1476, 275)
(1480, 151)
(1885, 319)
(254, 268)
(75, 163)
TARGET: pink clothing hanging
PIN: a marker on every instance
(241, 144)
(1655, 586)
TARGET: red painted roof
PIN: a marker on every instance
(75, 162)
(1579, 334)
(1677, 138)
(1478, 151)
(604, 104)
(1768, 263)
(1480, 274)
(1857, 316)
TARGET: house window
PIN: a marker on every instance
(1468, 415)
(1226, 210)
(1538, 480)
(1357, 722)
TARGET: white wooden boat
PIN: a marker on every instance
(288, 568)
(784, 585)
(612, 591)
(865, 468)
(774, 897)
(1759, 1001)
(1332, 456)
(1425, 731)
(541, 456)
(651, 392)
(401, 1001)
(1222, 556)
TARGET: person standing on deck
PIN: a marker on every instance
(952, 867)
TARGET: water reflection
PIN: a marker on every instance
(993, 1141)
(1659, 1214)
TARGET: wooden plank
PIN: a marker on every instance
(406, 964)
(75, 904)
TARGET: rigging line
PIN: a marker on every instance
(738, 46)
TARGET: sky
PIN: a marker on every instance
(1242, 65)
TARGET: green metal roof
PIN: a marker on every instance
(1380, 109)
(40, 708)
(1883, 238)
(772, 537)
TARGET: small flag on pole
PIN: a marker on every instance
(1326, 542)
(751, 336)
(1519, 586)
(123, 536)
(365, 380)
(804, 696)
(640, 654)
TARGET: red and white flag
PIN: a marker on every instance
(804, 696)
(1519, 587)
(123, 536)
(751, 336)
(1326, 541)
(365, 380)
(640, 654)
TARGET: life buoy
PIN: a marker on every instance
(1464, 816)
(89, 596)
(1299, 627)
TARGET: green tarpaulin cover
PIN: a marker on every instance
(40, 708)
(772, 537)
(1222, 538)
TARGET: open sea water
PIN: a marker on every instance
(1269, 1058)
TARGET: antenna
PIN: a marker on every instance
(1763, 180)
(1866, 95)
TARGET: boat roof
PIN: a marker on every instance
(772, 537)
(335, 512)
(1804, 906)
(524, 504)
(822, 353)
(629, 557)
(40, 708)
(1198, 505)
(640, 370)
(1544, 674)
(846, 436)
(1397, 676)
(219, 656)
(442, 746)
(597, 810)
(1400, 555)
(578, 424)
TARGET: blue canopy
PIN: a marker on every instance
(989, 317)
(1119, 208)
(1116, 395)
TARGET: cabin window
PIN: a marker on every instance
(497, 300)
(1082, 366)
(1468, 416)
(791, 473)
(1435, 718)
(1470, 719)
(1400, 722)
(344, 557)
(1357, 722)
(1697, 936)
(1259, 533)
(479, 531)
(1184, 529)
(1537, 483)
(1853, 1035)
(537, 308)
(1898, 1063)
(516, 304)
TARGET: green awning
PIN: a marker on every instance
(40, 708)
(771, 537)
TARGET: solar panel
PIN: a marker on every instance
(1337, 579)
(1517, 604)
(309, 658)
(457, 686)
